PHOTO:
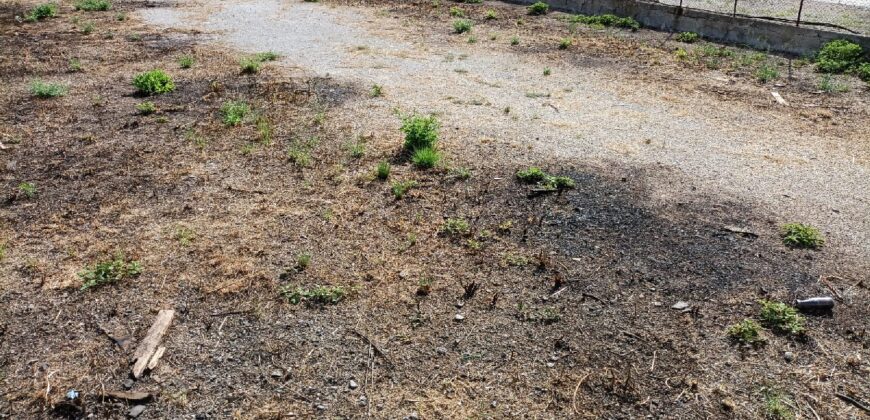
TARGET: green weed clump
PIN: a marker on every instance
(42, 11)
(186, 61)
(539, 8)
(400, 188)
(28, 189)
(838, 56)
(93, 5)
(545, 181)
(461, 26)
(111, 271)
(766, 73)
(44, 90)
(153, 82)
(863, 72)
(420, 131)
(607, 20)
(688, 37)
(146, 108)
(425, 158)
(799, 235)
(456, 12)
(233, 113)
(490, 15)
(747, 332)
(383, 171)
(317, 296)
(250, 66)
(781, 317)
(456, 226)
(565, 43)
(778, 406)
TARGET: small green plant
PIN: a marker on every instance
(120, 17)
(383, 171)
(424, 286)
(146, 108)
(827, 84)
(547, 71)
(565, 43)
(515, 40)
(110, 271)
(766, 73)
(799, 235)
(153, 82)
(317, 296)
(377, 91)
(747, 332)
(93, 5)
(303, 260)
(863, 72)
(75, 65)
(234, 113)
(264, 130)
(425, 158)
(456, 12)
(490, 15)
(681, 54)
(28, 189)
(400, 188)
(357, 149)
(266, 56)
(420, 131)
(688, 37)
(838, 56)
(531, 175)
(539, 8)
(186, 61)
(185, 236)
(461, 26)
(455, 227)
(197, 139)
(781, 317)
(42, 11)
(250, 66)
(299, 156)
(88, 28)
(461, 173)
(44, 90)
(777, 406)
(472, 39)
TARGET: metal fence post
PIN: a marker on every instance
(800, 11)
(735, 9)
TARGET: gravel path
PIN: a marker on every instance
(697, 146)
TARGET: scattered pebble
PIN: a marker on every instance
(680, 305)
(277, 373)
(128, 384)
(352, 384)
(788, 356)
(441, 350)
(550, 364)
(136, 411)
(459, 317)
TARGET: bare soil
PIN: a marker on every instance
(571, 314)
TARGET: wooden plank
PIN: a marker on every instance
(156, 358)
(148, 345)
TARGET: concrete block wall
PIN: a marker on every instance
(761, 34)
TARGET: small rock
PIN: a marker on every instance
(657, 303)
(459, 317)
(277, 373)
(128, 384)
(363, 401)
(136, 411)
(352, 384)
(728, 405)
(412, 416)
(72, 394)
(680, 305)
(788, 356)
(460, 304)
(321, 407)
(550, 364)
(493, 404)
(441, 350)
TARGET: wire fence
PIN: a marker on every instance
(850, 16)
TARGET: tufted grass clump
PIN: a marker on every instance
(455, 227)
(425, 158)
(747, 332)
(111, 271)
(539, 8)
(45, 90)
(461, 26)
(42, 11)
(146, 108)
(781, 317)
(383, 171)
(607, 20)
(28, 189)
(400, 188)
(799, 235)
(766, 73)
(531, 175)
(250, 65)
(456, 12)
(93, 5)
(153, 82)
(545, 181)
(234, 113)
(186, 61)
(863, 72)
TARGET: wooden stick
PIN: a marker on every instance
(148, 346)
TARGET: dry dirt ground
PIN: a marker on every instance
(550, 306)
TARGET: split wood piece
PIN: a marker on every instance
(128, 396)
(147, 349)
(778, 98)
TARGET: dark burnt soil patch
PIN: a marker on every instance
(570, 315)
